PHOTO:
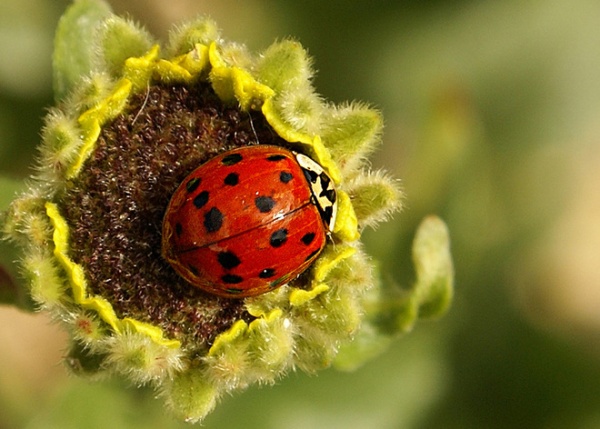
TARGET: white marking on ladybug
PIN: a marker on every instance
(322, 188)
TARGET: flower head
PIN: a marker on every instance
(124, 136)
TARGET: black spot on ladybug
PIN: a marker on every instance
(193, 270)
(313, 254)
(201, 199)
(232, 279)
(213, 220)
(178, 229)
(326, 214)
(325, 180)
(279, 237)
(285, 176)
(275, 158)
(192, 184)
(329, 194)
(228, 260)
(231, 159)
(264, 204)
(310, 175)
(266, 273)
(232, 179)
(308, 238)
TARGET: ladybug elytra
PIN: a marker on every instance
(249, 220)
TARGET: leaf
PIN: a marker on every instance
(10, 291)
(434, 268)
(393, 311)
(75, 43)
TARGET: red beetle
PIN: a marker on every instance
(249, 220)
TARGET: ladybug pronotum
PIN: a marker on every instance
(249, 220)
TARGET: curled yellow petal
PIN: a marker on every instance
(300, 297)
(153, 332)
(238, 329)
(139, 70)
(92, 120)
(234, 83)
(346, 223)
(78, 282)
(330, 259)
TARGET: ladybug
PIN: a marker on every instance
(249, 220)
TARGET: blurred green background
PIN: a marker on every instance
(492, 122)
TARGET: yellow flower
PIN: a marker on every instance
(121, 140)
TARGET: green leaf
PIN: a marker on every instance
(393, 311)
(434, 268)
(121, 39)
(190, 396)
(10, 290)
(351, 132)
(285, 66)
(374, 197)
(75, 42)
(183, 39)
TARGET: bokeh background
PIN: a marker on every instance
(492, 121)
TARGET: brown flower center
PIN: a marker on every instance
(116, 205)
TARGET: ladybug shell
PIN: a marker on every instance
(245, 222)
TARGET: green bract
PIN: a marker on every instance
(133, 120)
